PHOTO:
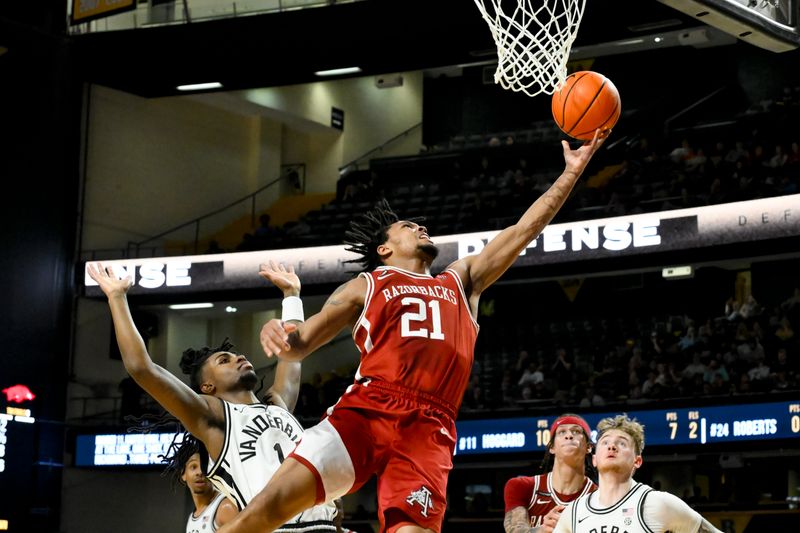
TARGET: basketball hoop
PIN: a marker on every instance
(533, 43)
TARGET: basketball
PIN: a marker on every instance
(585, 102)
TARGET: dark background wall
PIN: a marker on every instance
(39, 154)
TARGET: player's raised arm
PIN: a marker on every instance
(192, 409)
(286, 385)
(292, 340)
(479, 271)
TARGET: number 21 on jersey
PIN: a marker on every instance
(412, 321)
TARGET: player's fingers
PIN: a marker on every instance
(289, 327)
(291, 269)
(271, 348)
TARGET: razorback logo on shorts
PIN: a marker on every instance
(422, 497)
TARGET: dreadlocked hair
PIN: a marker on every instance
(192, 361)
(180, 450)
(368, 231)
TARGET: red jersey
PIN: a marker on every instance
(537, 496)
(416, 331)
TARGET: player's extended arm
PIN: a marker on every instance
(286, 385)
(192, 409)
(294, 342)
(500, 253)
(226, 512)
(516, 521)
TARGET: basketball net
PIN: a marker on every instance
(533, 43)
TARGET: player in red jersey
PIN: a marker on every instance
(416, 334)
(534, 503)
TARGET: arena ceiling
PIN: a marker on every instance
(379, 36)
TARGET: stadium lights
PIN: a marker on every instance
(338, 71)
(204, 305)
(200, 86)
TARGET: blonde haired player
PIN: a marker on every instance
(621, 504)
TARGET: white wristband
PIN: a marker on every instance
(292, 309)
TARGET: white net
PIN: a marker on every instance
(533, 38)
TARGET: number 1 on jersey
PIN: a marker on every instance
(421, 315)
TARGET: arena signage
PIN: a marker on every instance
(85, 10)
(682, 229)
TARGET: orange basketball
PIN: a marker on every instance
(585, 102)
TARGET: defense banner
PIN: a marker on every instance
(86, 10)
(682, 229)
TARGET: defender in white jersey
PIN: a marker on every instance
(620, 504)
(206, 521)
(219, 408)
(258, 438)
(211, 508)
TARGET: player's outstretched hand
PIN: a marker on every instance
(285, 279)
(109, 283)
(576, 160)
(551, 519)
(275, 336)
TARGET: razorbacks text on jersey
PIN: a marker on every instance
(416, 331)
(536, 494)
(257, 439)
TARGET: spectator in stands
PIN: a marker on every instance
(473, 395)
(214, 248)
(793, 157)
(508, 389)
(266, 234)
(695, 368)
(523, 361)
(688, 340)
(779, 158)
(784, 332)
(650, 386)
(682, 153)
(297, 229)
(744, 386)
(737, 153)
(562, 370)
(792, 303)
(247, 244)
(591, 398)
(749, 308)
(531, 375)
(716, 369)
(784, 364)
(759, 375)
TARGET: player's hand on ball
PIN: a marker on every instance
(551, 519)
(275, 336)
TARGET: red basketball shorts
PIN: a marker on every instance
(407, 438)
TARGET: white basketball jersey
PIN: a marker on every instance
(258, 438)
(204, 523)
(626, 516)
